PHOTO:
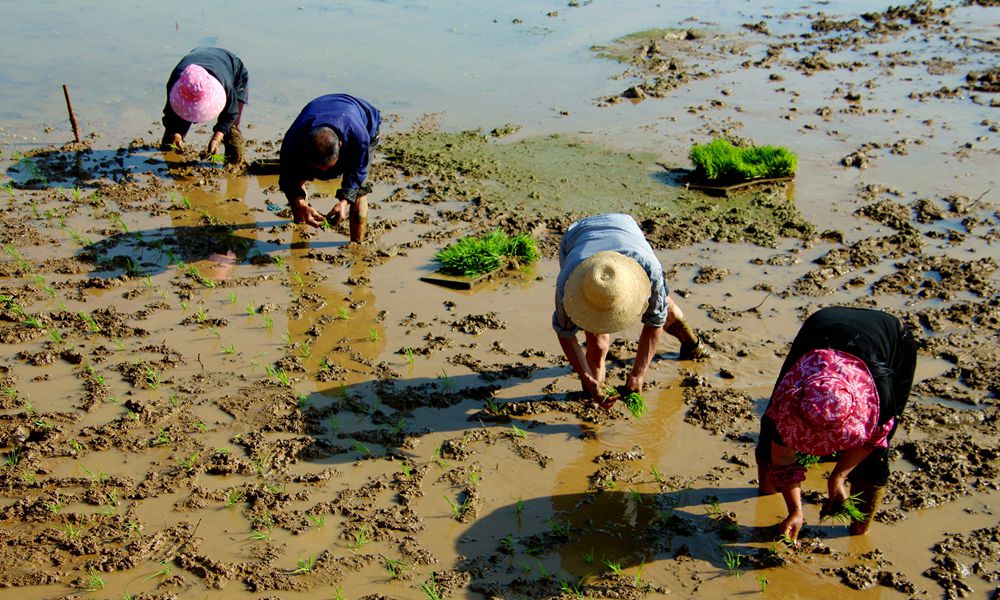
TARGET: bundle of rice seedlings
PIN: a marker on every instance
(848, 511)
(720, 161)
(473, 256)
(806, 460)
(635, 403)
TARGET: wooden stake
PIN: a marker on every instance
(72, 115)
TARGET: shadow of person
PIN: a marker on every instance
(82, 167)
(593, 534)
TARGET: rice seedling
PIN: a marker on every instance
(55, 506)
(188, 462)
(338, 592)
(287, 337)
(232, 297)
(152, 377)
(56, 336)
(305, 350)
(215, 331)
(457, 510)
(732, 561)
(89, 321)
(408, 352)
(229, 349)
(474, 477)
(343, 314)
(558, 528)
(282, 377)
(234, 496)
(610, 484)
(720, 161)
(184, 305)
(506, 544)
(93, 581)
(219, 159)
(395, 568)
(75, 445)
(473, 256)
(762, 582)
(518, 506)
(518, 432)
(360, 538)
(297, 278)
(588, 556)
(446, 382)
(71, 532)
(162, 437)
(250, 310)
(614, 567)
(714, 505)
(268, 323)
(201, 315)
(430, 589)
(847, 513)
(318, 521)
(638, 573)
(636, 495)
(163, 573)
(656, 474)
(373, 335)
(98, 476)
(360, 448)
(258, 535)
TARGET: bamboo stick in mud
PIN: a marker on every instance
(72, 115)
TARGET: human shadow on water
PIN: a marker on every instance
(590, 536)
(81, 167)
(154, 251)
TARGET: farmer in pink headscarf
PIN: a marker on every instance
(841, 390)
(208, 84)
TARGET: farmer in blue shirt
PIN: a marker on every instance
(332, 137)
(609, 280)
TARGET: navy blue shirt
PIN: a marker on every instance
(224, 66)
(356, 123)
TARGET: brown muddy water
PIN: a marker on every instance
(200, 399)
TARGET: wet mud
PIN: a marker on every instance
(200, 398)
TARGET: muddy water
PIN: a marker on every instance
(266, 410)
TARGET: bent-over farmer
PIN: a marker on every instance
(332, 137)
(205, 84)
(609, 280)
(841, 389)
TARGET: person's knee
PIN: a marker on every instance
(674, 312)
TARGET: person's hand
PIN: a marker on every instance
(213, 147)
(838, 494)
(792, 525)
(633, 383)
(338, 213)
(173, 142)
(305, 214)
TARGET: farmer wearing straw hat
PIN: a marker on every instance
(208, 83)
(609, 280)
(841, 390)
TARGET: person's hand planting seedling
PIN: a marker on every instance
(635, 403)
(845, 512)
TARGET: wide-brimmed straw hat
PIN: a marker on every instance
(607, 292)
(197, 96)
(825, 403)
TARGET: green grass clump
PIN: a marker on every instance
(473, 256)
(848, 511)
(720, 161)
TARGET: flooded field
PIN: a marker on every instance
(202, 399)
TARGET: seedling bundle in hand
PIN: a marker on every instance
(474, 256)
(847, 512)
(635, 403)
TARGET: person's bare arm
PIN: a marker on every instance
(792, 493)
(649, 340)
(574, 354)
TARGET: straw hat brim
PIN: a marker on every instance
(606, 293)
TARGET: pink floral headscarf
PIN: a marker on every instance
(197, 96)
(825, 403)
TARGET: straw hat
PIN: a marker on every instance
(197, 96)
(607, 292)
(826, 402)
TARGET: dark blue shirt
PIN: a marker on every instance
(224, 66)
(356, 123)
